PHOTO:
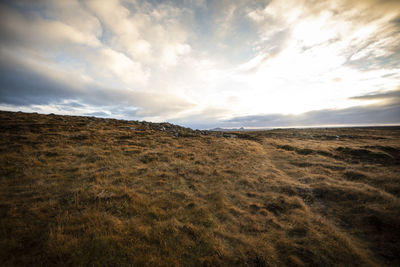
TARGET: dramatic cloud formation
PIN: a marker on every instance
(204, 63)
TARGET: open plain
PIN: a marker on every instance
(84, 191)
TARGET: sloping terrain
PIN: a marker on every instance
(83, 191)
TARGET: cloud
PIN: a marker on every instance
(382, 97)
(63, 41)
(313, 55)
(122, 66)
(356, 29)
(22, 86)
(31, 29)
(94, 52)
(381, 113)
(151, 33)
(75, 14)
(26, 82)
(209, 117)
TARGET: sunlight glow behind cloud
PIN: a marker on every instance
(200, 63)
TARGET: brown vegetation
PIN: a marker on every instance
(85, 191)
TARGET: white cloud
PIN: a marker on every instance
(319, 43)
(150, 35)
(172, 52)
(123, 67)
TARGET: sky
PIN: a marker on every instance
(204, 64)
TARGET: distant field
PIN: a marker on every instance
(82, 191)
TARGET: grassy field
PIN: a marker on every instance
(81, 191)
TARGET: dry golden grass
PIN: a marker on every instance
(81, 191)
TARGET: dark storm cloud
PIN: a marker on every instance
(21, 86)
